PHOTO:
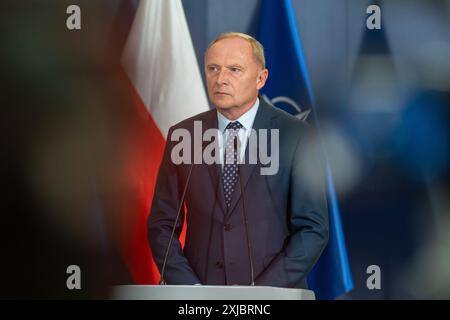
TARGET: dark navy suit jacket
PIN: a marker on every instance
(287, 214)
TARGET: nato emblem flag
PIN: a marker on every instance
(289, 88)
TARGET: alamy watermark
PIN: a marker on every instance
(374, 20)
(73, 21)
(73, 281)
(208, 147)
(373, 282)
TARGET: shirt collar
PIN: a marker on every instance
(246, 119)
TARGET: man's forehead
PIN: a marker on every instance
(231, 48)
(233, 41)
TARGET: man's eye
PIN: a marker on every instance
(213, 69)
(235, 70)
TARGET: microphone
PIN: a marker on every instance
(244, 209)
(161, 280)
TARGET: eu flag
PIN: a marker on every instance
(289, 88)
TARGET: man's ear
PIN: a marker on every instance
(261, 79)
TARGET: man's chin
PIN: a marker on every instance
(222, 106)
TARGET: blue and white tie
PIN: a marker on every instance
(230, 166)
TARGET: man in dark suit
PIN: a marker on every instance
(286, 209)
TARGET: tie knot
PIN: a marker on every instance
(235, 125)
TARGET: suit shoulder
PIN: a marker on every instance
(189, 122)
(290, 122)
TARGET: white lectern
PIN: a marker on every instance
(173, 292)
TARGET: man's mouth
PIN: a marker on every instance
(222, 93)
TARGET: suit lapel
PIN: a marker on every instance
(215, 170)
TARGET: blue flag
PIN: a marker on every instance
(289, 88)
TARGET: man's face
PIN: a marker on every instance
(233, 76)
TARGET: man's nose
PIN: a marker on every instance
(222, 77)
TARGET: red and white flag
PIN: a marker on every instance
(164, 76)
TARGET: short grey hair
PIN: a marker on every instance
(258, 50)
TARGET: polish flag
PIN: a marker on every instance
(166, 85)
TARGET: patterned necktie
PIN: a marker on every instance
(230, 167)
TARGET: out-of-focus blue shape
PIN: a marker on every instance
(421, 141)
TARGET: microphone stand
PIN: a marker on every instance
(161, 281)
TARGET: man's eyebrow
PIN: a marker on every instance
(235, 65)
